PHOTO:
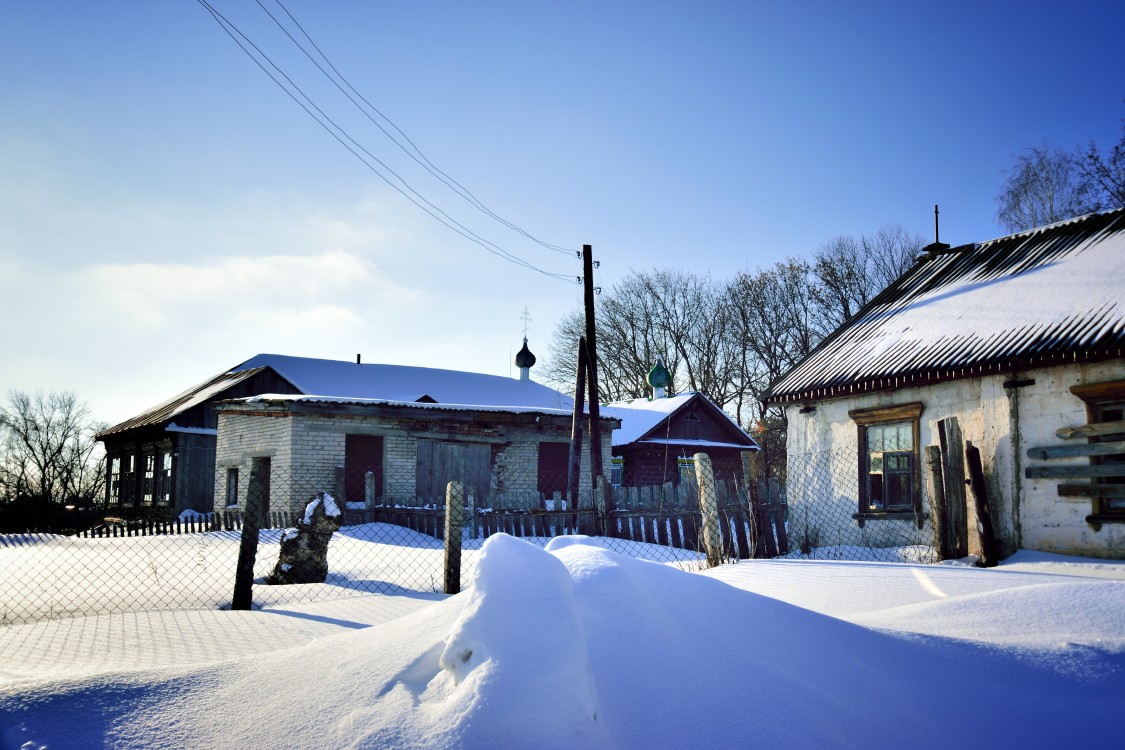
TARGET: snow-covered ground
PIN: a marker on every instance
(578, 646)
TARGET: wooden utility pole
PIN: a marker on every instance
(592, 367)
(574, 465)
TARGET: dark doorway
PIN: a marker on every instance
(362, 454)
(554, 459)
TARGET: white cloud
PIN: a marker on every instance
(126, 298)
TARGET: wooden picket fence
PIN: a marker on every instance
(746, 532)
(225, 520)
(667, 515)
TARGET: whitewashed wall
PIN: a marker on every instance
(306, 448)
(1028, 512)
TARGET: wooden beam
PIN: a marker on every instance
(1090, 430)
(989, 554)
(1070, 451)
(1066, 472)
(1114, 389)
(1076, 489)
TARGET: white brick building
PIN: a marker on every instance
(1018, 343)
(516, 456)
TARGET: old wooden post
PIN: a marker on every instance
(338, 489)
(368, 494)
(574, 462)
(937, 501)
(601, 503)
(988, 555)
(753, 513)
(454, 515)
(471, 511)
(709, 505)
(257, 500)
(955, 521)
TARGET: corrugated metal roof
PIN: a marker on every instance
(274, 398)
(334, 378)
(186, 400)
(1048, 295)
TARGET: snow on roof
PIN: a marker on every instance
(184, 401)
(325, 377)
(1028, 298)
(640, 416)
(280, 397)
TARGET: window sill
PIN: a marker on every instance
(890, 515)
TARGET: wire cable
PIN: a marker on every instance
(429, 208)
(414, 152)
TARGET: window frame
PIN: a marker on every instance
(164, 478)
(231, 500)
(906, 413)
(685, 469)
(148, 481)
(114, 486)
(616, 471)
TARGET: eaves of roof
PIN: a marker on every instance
(1054, 295)
(168, 410)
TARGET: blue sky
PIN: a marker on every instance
(166, 212)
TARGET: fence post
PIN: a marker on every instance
(708, 504)
(368, 493)
(454, 514)
(257, 497)
(338, 489)
(471, 512)
(937, 501)
(601, 490)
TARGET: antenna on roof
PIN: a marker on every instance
(937, 246)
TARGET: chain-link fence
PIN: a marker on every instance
(389, 535)
(835, 512)
(390, 539)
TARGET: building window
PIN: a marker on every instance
(616, 470)
(128, 486)
(115, 480)
(149, 479)
(685, 467)
(232, 487)
(889, 480)
(164, 479)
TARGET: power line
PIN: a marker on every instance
(414, 152)
(429, 208)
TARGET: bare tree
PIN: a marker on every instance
(731, 341)
(48, 453)
(1045, 185)
(850, 272)
(1106, 173)
(673, 314)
